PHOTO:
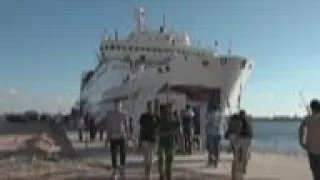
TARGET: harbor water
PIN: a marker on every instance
(272, 136)
(276, 136)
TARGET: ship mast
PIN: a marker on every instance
(139, 18)
(164, 21)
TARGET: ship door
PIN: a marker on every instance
(214, 103)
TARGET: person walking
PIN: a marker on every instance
(147, 137)
(246, 135)
(239, 133)
(213, 137)
(81, 128)
(187, 124)
(166, 127)
(116, 125)
(309, 138)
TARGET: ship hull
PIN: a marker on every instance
(227, 74)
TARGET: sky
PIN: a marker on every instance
(46, 44)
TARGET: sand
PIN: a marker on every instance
(263, 166)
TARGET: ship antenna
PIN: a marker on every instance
(215, 46)
(116, 35)
(164, 21)
(230, 46)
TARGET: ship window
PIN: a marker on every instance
(154, 49)
(136, 48)
(143, 58)
(148, 49)
(173, 42)
(118, 47)
(124, 48)
(183, 51)
(159, 50)
(106, 47)
(101, 48)
(205, 63)
(223, 61)
(112, 47)
(130, 48)
(243, 64)
(142, 48)
(179, 51)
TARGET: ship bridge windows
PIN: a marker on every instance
(132, 48)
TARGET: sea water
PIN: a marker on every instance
(276, 136)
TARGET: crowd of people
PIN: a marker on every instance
(161, 128)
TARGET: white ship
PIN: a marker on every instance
(138, 68)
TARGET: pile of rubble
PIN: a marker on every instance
(40, 139)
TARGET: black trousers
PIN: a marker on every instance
(314, 160)
(80, 134)
(93, 133)
(117, 145)
(187, 143)
(101, 132)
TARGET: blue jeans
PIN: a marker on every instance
(314, 160)
(213, 147)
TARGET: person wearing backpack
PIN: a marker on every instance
(240, 134)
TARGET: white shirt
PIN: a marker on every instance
(214, 123)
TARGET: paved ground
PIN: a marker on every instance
(185, 167)
(94, 163)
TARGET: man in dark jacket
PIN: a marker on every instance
(167, 127)
(147, 137)
(240, 134)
